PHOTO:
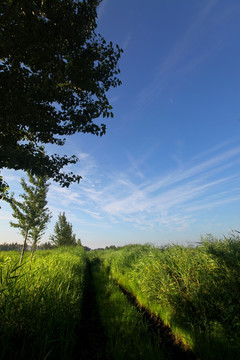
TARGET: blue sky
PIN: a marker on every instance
(167, 171)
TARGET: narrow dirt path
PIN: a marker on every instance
(92, 340)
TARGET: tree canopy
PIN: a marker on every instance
(55, 71)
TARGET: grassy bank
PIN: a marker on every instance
(194, 290)
(41, 303)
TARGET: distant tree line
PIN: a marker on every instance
(45, 246)
(18, 247)
(112, 247)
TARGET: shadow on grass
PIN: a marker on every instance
(90, 336)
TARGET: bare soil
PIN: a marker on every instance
(92, 340)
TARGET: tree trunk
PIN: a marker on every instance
(34, 245)
(24, 246)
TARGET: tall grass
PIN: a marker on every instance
(193, 290)
(40, 303)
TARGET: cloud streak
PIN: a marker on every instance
(171, 200)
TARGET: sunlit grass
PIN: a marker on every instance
(40, 302)
(193, 290)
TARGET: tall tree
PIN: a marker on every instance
(42, 213)
(3, 189)
(55, 72)
(63, 232)
(31, 213)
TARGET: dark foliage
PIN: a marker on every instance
(55, 71)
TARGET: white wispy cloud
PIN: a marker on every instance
(126, 41)
(174, 199)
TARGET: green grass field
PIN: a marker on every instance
(67, 303)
